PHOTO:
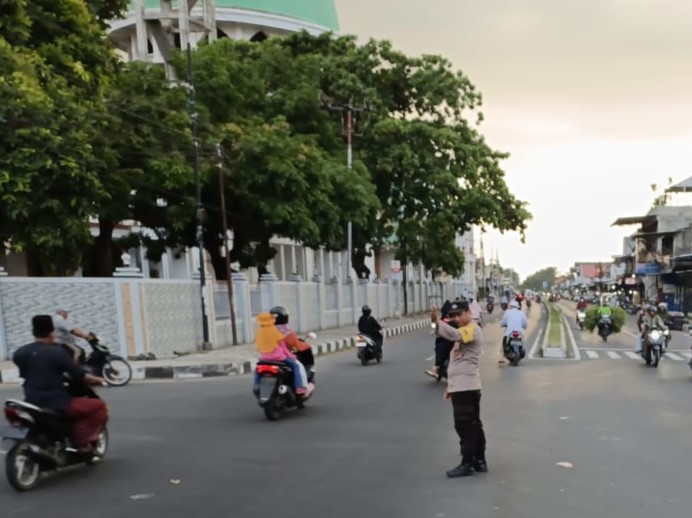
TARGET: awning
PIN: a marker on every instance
(634, 220)
(657, 234)
(684, 186)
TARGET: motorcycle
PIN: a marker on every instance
(528, 304)
(504, 306)
(367, 349)
(514, 348)
(605, 327)
(101, 362)
(275, 391)
(37, 441)
(656, 346)
(581, 316)
(490, 306)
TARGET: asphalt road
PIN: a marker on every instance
(376, 441)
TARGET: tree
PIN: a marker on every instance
(146, 170)
(535, 281)
(434, 174)
(283, 178)
(51, 85)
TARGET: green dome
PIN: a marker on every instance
(317, 12)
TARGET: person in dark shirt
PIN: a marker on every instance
(43, 365)
(368, 325)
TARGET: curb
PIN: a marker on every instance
(211, 370)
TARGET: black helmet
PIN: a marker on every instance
(366, 310)
(280, 314)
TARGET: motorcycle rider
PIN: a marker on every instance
(514, 319)
(476, 312)
(604, 309)
(650, 319)
(369, 326)
(582, 305)
(272, 341)
(66, 331)
(443, 347)
(43, 365)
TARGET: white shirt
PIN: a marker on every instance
(63, 331)
(514, 320)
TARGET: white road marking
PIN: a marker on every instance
(673, 356)
(614, 355)
(632, 355)
(686, 355)
(635, 335)
(591, 354)
(430, 359)
(575, 347)
(534, 349)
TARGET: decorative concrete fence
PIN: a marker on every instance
(139, 316)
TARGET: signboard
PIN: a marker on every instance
(545, 285)
(396, 266)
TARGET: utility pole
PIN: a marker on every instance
(350, 112)
(200, 208)
(226, 248)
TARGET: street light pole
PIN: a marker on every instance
(349, 130)
(200, 208)
(224, 226)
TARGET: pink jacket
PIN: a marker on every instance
(281, 352)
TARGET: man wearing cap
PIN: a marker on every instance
(65, 332)
(43, 364)
(514, 319)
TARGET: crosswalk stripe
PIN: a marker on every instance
(673, 356)
(687, 355)
(591, 354)
(632, 355)
(614, 355)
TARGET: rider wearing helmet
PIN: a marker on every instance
(582, 305)
(368, 325)
(605, 310)
(650, 319)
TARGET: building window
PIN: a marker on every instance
(667, 245)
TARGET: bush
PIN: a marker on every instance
(591, 320)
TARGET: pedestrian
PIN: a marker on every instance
(464, 387)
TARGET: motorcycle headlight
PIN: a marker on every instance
(655, 334)
(666, 332)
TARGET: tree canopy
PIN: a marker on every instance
(535, 281)
(86, 138)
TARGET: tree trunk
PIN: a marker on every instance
(100, 259)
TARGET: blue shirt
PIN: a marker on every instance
(42, 366)
(514, 320)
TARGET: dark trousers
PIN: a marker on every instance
(468, 424)
(443, 348)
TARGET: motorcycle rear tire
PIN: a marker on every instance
(515, 361)
(271, 412)
(124, 367)
(647, 357)
(13, 477)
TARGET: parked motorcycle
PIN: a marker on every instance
(367, 349)
(581, 316)
(37, 441)
(275, 391)
(605, 327)
(514, 348)
(101, 362)
(656, 345)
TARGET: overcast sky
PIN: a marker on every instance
(592, 98)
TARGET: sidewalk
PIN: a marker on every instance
(241, 359)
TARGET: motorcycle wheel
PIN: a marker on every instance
(656, 358)
(271, 412)
(117, 372)
(23, 472)
(379, 358)
(647, 357)
(363, 358)
(100, 447)
(515, 361)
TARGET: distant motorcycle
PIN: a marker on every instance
(605, 327)
(528, 304)
(514, 348)
(490, 306)
(581, 316)
(275, 392)
(367, 349)
(656, 345)
(101, 362)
